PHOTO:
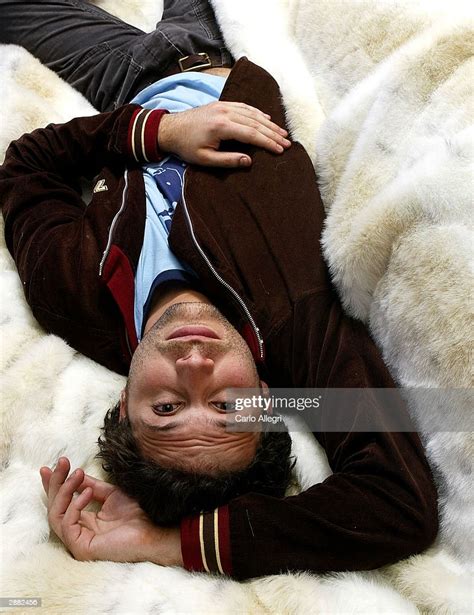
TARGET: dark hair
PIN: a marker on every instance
(167, 495)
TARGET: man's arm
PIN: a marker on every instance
(48, 226)
(379, 505)
(40, 191)
(119, 532)
(49, 162)
(360, 518)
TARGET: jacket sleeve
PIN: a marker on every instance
(55, 239)
(378, 506)
(39, 179)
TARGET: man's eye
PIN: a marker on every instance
(225, 406)
(166, 408)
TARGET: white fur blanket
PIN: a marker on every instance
(380, 94)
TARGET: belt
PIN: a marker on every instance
(196, 61)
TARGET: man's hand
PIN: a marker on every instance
(120, 531)
(196, 135)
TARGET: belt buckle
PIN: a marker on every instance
(205, 63)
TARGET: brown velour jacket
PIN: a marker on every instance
(252, 236)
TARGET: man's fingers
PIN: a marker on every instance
(225, 159)
(58, 477)
(45, 474)
(75, 535)
(252, 136)
(258, 116)
(262, 129)
(70, 522)
(100, 489)
(259, 129)
(63, 499)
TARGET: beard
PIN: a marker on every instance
(192, 313)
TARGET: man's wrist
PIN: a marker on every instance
(163, 546)
(165, 133)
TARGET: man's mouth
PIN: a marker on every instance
(193, 331)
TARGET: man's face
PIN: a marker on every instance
(177, 391)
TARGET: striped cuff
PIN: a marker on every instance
(205, 542)
(142, 141)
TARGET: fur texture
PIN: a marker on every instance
(380, 93)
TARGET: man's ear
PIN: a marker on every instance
(123, 404)
(265, 388)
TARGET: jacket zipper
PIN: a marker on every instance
(201, 252)
(219, 278)
(113, 225)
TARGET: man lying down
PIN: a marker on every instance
(196, 268)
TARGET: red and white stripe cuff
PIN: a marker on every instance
(205, 542)
(142, 141)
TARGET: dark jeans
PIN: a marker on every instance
(106, 59)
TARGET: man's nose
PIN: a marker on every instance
(194, 363)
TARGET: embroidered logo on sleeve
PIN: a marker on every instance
(100, 186)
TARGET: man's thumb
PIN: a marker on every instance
(227, 159)
(244, 161)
